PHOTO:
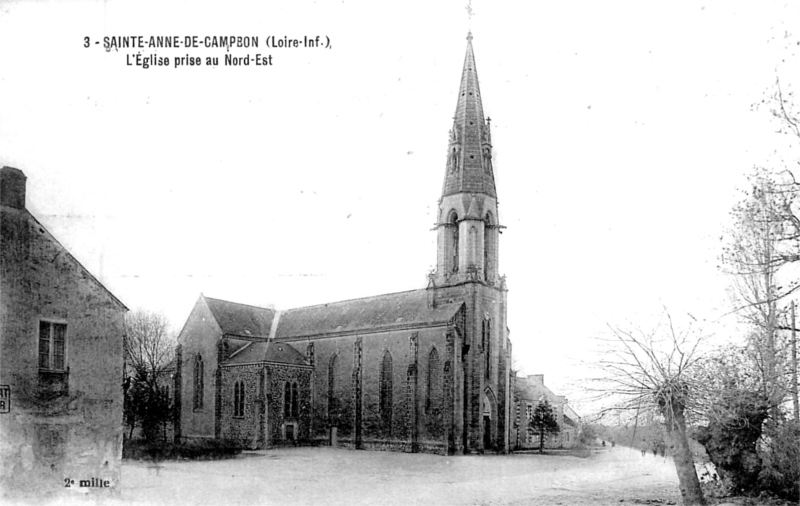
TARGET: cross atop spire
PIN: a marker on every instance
(470, 12)
(469, 163)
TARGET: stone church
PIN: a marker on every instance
(425, 370)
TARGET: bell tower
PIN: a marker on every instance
(467, 271)
(468, 221)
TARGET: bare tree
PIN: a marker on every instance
(149, 345)
(654, 373)
(789, 119)
(747, 431)
(149, 348)
(763, 243)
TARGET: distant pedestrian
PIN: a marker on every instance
(643, 447)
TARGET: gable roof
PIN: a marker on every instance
(36, 225)
(533, 390)
(382, 312)
(267, 351)
(241, 319)
(570, 413)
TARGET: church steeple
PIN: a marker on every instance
(469, 160)
(468, 223)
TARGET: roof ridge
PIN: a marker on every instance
(238, 303)
(273, 329)
(240, 349)
(74, 258)
(354, 299)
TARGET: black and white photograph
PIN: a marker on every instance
(340, 252)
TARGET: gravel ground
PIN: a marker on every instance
(326, 476)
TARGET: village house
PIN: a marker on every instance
(528, 393)
(61, 335)
(423, 370)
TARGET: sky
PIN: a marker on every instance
(622, 131)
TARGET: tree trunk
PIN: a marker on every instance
(541, 441)
(795, 402)
(691, 493)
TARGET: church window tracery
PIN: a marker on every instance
(385, 393)
(489, 246)
(290, 401)
(198, 382)
(487, 346)
(434, 383)
(238, 399)
(454, 241)
(331, 387)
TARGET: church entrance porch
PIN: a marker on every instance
(488, 409)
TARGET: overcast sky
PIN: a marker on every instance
(622, 134)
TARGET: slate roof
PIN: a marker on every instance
(570, 414)
(533, 390)
(241, 319)
(473, 173)
(370, 313)
(264, 351)
(384, 312)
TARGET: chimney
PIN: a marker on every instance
(12, 187)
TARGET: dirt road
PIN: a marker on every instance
(324, 476)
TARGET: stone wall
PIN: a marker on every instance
(277, 376)
(414, 422)
(200, 336)
(482, 303)
(264, 383)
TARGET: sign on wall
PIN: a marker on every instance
(5, 399)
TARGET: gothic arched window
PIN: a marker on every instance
(290, 402)
(238, 398)
(454, 241)
(489, 247)
(198, 382)
(386, 392)
(295, 401)
(332, 387)
(434, 383)
(487, 346)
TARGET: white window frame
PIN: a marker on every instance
(51, 345)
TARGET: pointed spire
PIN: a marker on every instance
(469, 164)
